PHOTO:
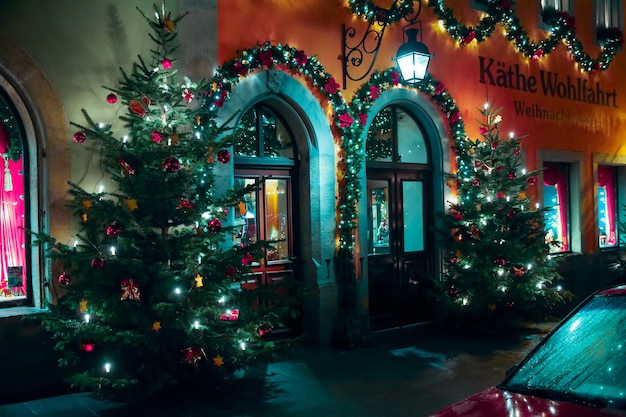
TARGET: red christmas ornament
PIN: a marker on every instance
(264, 330)
(247, 259)
(112, 98)
(532, 181)
(192, 355)
(87, 347)
(79, 137)
(172, 165)
(223, 156)
(166, 63)
(475, 182)
(145, 101)
(156, 137)
(97, 263)
(185, 205)
(510, 214)
(114, 229)
(215, 226)
(512, 175)
(137, 107)
(64, 279)
(130, 290)
(453, 292)
(500, 261)
(230, 271)
(516, 151)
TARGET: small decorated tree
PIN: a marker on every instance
(497, 262)
(150, 292)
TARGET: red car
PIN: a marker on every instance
(577, 370)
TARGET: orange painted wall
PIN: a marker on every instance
(315, 27)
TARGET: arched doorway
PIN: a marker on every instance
(400, 205)
(265, 152)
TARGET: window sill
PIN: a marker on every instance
(19, 311)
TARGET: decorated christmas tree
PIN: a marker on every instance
(497, 262)
(150, 292)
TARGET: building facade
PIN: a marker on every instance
(321, 135)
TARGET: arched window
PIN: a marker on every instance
(262, 133)
(382, 144)
(14, 285)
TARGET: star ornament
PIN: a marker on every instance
(218, 361)
(156, 326)
(198, 280)
(131, 203)
(82, 305)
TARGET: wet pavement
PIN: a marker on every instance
(411, 371)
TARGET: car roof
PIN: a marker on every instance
(617, 290)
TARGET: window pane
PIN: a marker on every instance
(411, 143)
(379, 142)
(276, 136)
(277, 218)
(413, 216)
(556, 197)
(247, 136)
(607, 206)
(246, 214)
(379, 225)
(13, 282)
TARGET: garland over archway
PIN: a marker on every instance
(563, 29)
(348, 120)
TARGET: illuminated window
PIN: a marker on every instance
(609, 13)
(262, 133)
(14, 282)
(607, 206)
(556, 196)
(557, 5)
(382, 144)
(549, 9)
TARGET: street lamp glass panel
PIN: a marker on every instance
(413, 66)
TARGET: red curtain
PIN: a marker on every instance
(12, 233)
(606, 179)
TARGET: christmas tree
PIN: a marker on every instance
(497, 262)
(151, 290)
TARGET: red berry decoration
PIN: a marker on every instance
(112, 98)
(64, 279)
(79, 137)
(114, 229)
(97, 263)
(172, 165)
(223, 156)
(215, 225)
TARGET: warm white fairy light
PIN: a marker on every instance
(113, 250)
(511, 135)
(199, 259)
(87, 317)
(500, 271)
(177, 290)
(243, 345)
(101, 189)
(75, 243)
(486, 106)
(107, 367)
(537, 206)
(222, 300)
(125, 139)
(101, 125)
(196, 324)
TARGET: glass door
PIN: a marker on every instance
(400, 246)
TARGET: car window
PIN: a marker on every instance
(584, 360)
